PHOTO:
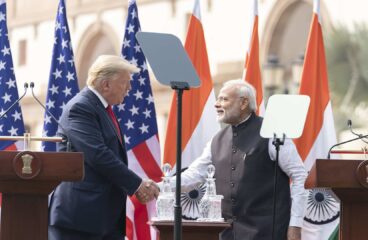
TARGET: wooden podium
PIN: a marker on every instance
(192, 230)
(26, 179)
(348, 179)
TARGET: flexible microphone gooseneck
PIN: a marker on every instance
(9, 108)
(350, 125)
(341, 143)
(65, 138)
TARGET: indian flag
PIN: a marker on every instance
(252, 72)
(199, 115)
(322, 213)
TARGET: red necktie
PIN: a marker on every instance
(114, 121)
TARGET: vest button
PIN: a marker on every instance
(233, 168)
(232, 184)
(235, 134)
(235, 218)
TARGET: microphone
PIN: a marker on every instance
(65, 137)
(341, 143)
(350, 124)
(9, 108)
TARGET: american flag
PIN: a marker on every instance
(11, 124)
(137, 118)
(63, 84)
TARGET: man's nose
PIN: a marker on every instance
(217, 104)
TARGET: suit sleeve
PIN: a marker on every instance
(86, 135)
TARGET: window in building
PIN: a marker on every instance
(22, 56)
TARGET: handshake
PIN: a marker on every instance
(147, 191)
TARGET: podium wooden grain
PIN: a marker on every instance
(191, 230)
(24, 211)
(346, 181)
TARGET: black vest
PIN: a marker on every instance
(245, 177)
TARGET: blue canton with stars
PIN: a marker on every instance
(12, 123)
(63, 84)
(136, 114)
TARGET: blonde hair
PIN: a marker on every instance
(244, 89)
(107, 67)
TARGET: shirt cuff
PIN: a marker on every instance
(296, 221)
(138, 187)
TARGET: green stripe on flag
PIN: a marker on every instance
(335, 234)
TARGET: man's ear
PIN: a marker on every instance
(105, 85)
(244, 103)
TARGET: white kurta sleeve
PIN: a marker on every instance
(197, 170)
(291, 163)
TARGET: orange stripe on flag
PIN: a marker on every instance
(252, 69)
(314, 83)
(194, 100)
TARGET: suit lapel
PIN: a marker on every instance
(105, 118)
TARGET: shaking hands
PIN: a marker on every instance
(147, 191)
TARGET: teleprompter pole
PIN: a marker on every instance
(179, 87)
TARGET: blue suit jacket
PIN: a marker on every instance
(97, 204)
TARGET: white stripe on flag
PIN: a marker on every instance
(154, 146)
(135, 166)
(130, 209)
(151, 209)
(325, 139)
(321, 232)
(201, 135)
(19, 145)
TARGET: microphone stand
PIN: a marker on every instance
(341, 143)
(356, 134)
(7, 110)
(27, 137)
(277, 142)
(65, 138)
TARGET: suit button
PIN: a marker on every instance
(234, 149)
(232, 184)
(235, 218)
(233, 200)
(233, 168)
(235, 134)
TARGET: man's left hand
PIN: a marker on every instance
(294, 233)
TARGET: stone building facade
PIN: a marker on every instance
(97, 27)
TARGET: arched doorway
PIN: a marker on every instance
(98, 39)
(286, 33)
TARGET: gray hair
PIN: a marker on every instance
(244, 89)
(107, 67)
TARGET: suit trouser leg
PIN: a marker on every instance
(58, 233)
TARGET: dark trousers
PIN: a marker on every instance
(58, 233)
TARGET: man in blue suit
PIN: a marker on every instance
(94, 209)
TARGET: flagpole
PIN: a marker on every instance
(179, 87)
